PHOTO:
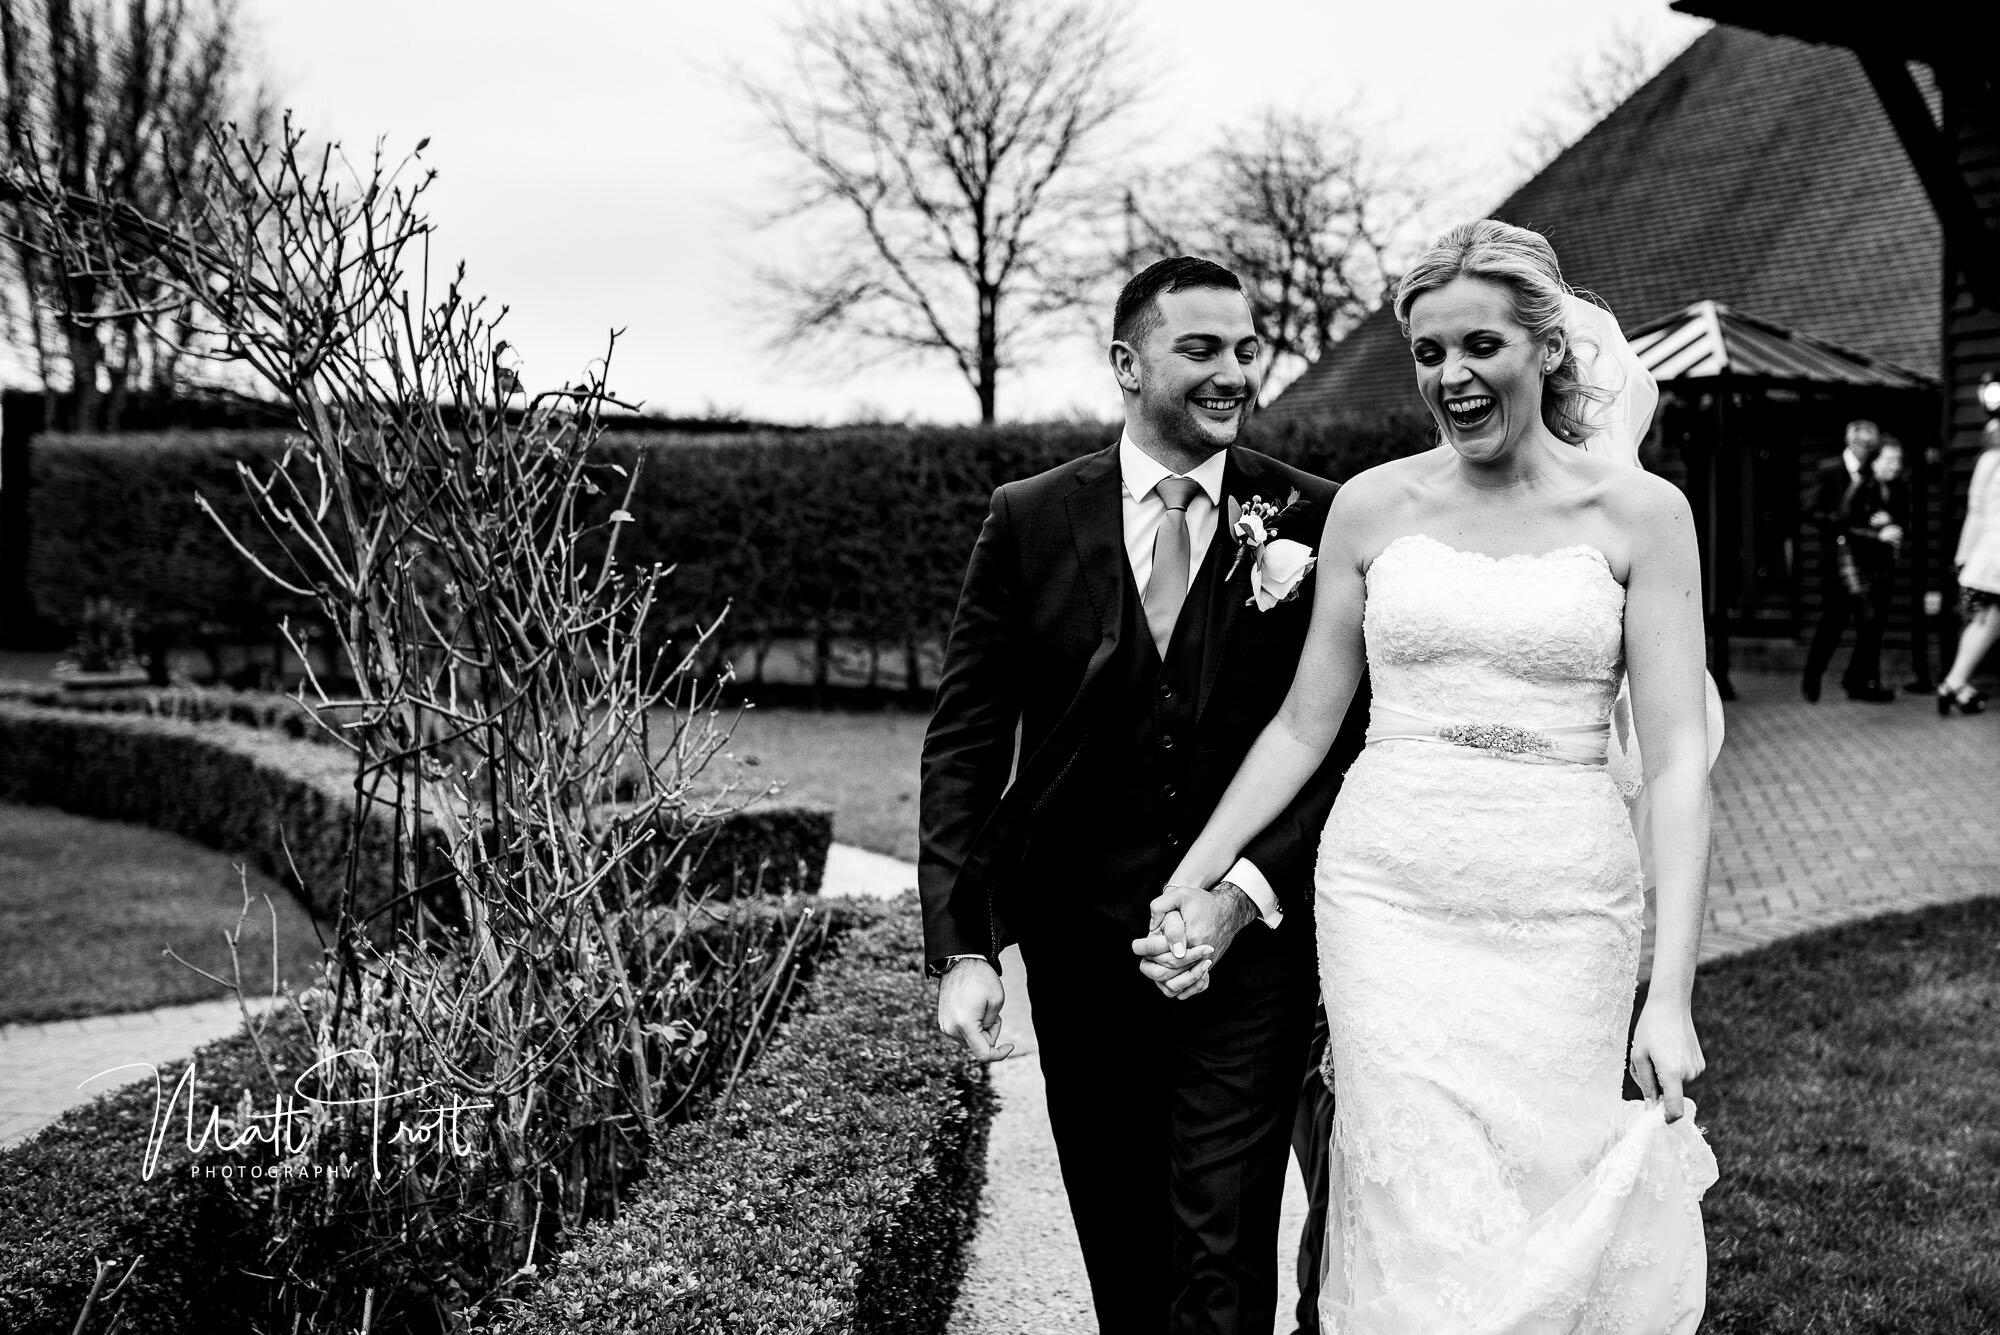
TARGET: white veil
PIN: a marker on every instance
(1608, 363)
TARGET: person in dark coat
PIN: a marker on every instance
(1835, 505)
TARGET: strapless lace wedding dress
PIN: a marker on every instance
(1478, 915)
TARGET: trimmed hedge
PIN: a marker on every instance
(115, 517)
(242, 790)
(774, 847)
(838, 1192)
(281, 801)
(74, 1195)
(853, 533)
(263, 710)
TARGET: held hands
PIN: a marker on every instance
(1188, 931)
(970, 996)
(1666, 1054)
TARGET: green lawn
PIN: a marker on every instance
(1853, 1101)
(864, 766)
(86, 907)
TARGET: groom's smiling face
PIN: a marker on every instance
(1196, 368)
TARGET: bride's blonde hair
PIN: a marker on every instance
(1524, 263)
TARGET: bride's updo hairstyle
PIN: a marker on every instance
(1524, 263)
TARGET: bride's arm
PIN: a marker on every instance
(1664, 653)
(1289, 750)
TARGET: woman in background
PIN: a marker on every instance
(1978, 562)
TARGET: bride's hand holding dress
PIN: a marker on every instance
(1664, 652)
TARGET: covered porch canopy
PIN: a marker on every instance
(1706, 355)
(1710, 339)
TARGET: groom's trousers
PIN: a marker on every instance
(1173, 1122)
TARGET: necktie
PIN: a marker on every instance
(1167, 587)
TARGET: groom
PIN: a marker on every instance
(1108, 615)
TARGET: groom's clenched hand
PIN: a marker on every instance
(1187, 933)
(970, 996)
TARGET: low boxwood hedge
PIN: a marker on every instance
(76, 1194)
(265, 710)
(837, 1192)
(272, 799)
(264, 793)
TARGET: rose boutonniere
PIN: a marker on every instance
(1278, 565)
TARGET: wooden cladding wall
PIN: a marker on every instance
(1971, 323)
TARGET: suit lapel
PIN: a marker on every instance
(1097, 531)
(1097, 528)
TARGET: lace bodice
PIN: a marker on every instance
(1533, 640)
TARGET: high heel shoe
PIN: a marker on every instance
(1968, 700)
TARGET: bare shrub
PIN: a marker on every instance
(499, 1044)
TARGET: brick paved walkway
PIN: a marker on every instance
(1830, 812)
(42, 1065)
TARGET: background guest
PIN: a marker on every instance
(1839, 489)
(1876, 507)
(1978, 562)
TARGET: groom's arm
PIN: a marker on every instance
(969, 746)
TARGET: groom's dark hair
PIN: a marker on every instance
(1136, 311)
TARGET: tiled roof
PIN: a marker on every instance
(1755, 171)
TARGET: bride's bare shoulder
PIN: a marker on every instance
(1650, 515)
(1396, 482)
(1634, 496)
(1375, 504)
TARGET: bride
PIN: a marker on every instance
(1479, 896)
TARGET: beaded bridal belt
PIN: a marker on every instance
(1576, 744)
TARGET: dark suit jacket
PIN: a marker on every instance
(1038, 624)
(1865, 538)
(1831, 508)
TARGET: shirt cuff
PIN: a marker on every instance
(943, 966)
(1245, 877)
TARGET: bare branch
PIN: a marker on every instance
(1593, 85)
(1311, 216)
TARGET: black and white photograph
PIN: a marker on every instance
(999, 667)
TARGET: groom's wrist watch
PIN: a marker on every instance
(953, 961)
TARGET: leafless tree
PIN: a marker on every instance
(1308, 212)
(946, 147)
(111, 98)
(1593, 86)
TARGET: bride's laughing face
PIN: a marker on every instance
(1480, 371)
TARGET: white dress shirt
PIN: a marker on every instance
(1143, 512)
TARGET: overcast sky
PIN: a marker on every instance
(597, 169)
